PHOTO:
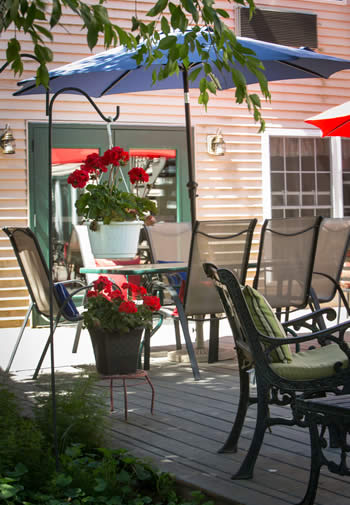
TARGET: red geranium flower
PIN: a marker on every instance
(103, 284)
(116, 294)
(92, 294)
(93, 162)
(152, 302)
(78, 179)
(115, 156)
(138, 174)
(128, 306)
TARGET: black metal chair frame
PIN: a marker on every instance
(253, 351)
(33, 304)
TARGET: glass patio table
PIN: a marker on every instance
(146, 269)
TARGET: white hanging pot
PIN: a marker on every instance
(115, 240)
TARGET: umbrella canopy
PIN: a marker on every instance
(116, 71)
(333, 122)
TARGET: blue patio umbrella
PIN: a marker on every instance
(116, 71)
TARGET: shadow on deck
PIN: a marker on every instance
(191, 421)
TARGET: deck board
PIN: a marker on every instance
(192, 420)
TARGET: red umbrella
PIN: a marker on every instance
(334, 122)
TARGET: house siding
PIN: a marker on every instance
(229, 186)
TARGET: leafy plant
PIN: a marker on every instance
(103, 200)
(114, 309)
(22, 441)
(37, 18)
(80, 414)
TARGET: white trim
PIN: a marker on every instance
(337, 177)
(266, 174)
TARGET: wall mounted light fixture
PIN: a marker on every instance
(216, 144)
(7, 141)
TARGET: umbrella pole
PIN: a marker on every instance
(192, 185)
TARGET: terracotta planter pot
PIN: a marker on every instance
(116, 353)
(115, 240)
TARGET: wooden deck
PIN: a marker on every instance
(191, 421)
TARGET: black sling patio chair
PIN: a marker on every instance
(228, 244)
(36, 275)
(281, 376)
(285, 263)
(332, 246)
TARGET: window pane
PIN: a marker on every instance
(292, 154)
(292, 213)
(293, 200)
(307, 147)
(277, 154)
(277, 200)
(324, 199)
(309, 200)
(323, 155)
(277, 182)
(308, 182)
(293, 183)
(323, 182)
(307, 212)
(277, 213)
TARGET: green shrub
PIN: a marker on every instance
(80, 414)
(106, 477)
(22, 441)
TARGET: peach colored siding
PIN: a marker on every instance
(229, 186)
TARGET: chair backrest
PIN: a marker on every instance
(226, 244)
(79, 250)
(229, 289)
(169, 241)
(286, 258)
(332, 246)
(33, 267)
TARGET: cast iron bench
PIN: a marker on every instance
(331, 412)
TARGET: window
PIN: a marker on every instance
(300, 176)
(286, 27)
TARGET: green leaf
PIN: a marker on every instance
(42, 76)
(165, 25)
(223, 13)
(167, 42)
(92, 36)
(14, 9)
(203, 85)
(13, 49)
(56, 13)
(44, 31)
(158, 8)
(194, 74)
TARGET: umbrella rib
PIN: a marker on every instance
(116, 81)
(337, 127)
(293, 65)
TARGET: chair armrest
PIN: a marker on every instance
(323, 337)
(303, 321)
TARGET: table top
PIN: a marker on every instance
(147, 268)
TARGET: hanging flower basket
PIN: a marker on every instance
(115, 352)
(115, 240)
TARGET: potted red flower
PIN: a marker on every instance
(103, 203)
(116, 318)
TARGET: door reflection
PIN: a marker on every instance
(160, 164)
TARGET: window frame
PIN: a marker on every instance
(336, 189)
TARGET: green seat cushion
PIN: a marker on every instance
(266, 322)
(312, 364)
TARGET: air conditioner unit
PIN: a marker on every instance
(287, 27)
